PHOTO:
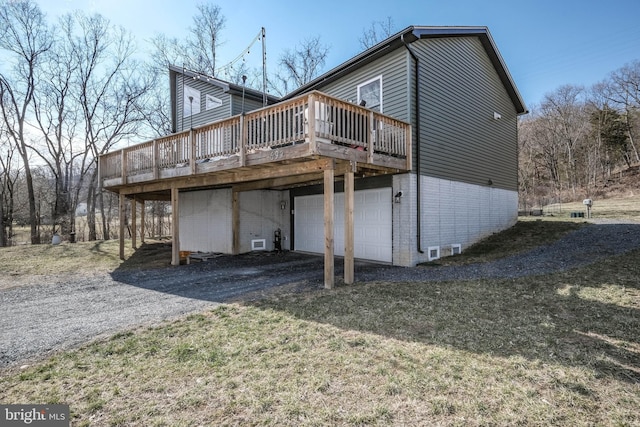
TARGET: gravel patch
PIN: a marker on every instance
(50, 314)
(579, 248)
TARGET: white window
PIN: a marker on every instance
(370, 94)
(212, 102)
(191, 102)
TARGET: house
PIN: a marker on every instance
(403, 154)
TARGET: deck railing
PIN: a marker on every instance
(312, 118)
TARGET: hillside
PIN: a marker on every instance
(623, 183)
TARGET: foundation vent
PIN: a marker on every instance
(258, 244)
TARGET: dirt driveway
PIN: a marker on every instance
(47, 316)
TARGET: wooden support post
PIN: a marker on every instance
(192, 151)
(123, 165)
(329, 272)
(235, 221)
(175, 227)
(142, 203)
(134, 220)
(371, 138)
(121, 218)
(311, 124)
(243, 140)
(348, 228)
(155, 160)
(409, 147)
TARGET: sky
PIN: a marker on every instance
(545, 44)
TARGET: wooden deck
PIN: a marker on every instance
(291, 142)
(313, 138)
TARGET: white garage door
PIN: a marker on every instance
(372, 224)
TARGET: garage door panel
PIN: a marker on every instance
(372, 224)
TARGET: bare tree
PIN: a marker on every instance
(301, 65)
(111, 88)
(377, 31)
(9, 174)
(24, 35)
(197, 51)
(567, 122)
(529, 175)
(622, 90)
(56, 114)
(204, 37)
(609, 130)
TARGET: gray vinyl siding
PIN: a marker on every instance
(231, 104)
(394, 72)
(459, 92)
(249, 105)
(204, 117)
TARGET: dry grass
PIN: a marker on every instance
(558, 350)
(523, 236)
(21, 263)
(625, 208)
(561, 349)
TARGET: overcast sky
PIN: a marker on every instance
(544, 43)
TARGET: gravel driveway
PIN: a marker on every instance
(43, 317)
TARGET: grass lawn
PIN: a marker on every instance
(561, 349)
(17, 262)
(613, 208)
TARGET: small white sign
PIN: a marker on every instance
(213, 102)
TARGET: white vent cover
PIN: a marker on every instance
(433, 252)
(258, 244)
(456, 249)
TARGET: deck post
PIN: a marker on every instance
(142, 221)
(175, 227)
(311, 124)
(134, 220)
(192, 151)
(235, 221)
(348, 228)
(156, 157)
(329, 271)
(121, 218)
(371, 137)
(408, 146)
(242, 141)
(123, 165)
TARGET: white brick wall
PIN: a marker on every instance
(452, 213)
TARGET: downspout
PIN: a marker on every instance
(417, 110)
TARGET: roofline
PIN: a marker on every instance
(224, 85)
(410, 35)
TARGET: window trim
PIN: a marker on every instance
(368, 82)
(189, 109)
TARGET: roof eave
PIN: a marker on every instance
(410, 35)
(231, 88)
(490, 47)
